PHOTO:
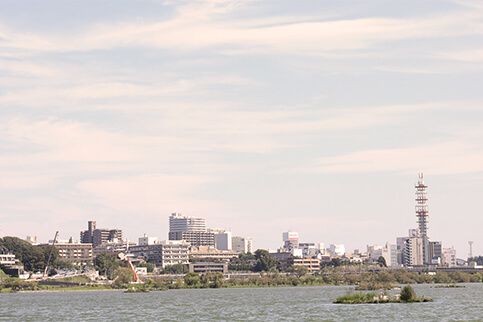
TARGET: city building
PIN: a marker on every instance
(32, 240)
(11, 266)
(435, 252)
(223, 240)
(449, 257)
(210, 254)
(309, 249)
(191, 229)
(165, 253)
(312, 264)
(86, 236)
(413, 252)
(146, 240)
(8, 259)
(241, 244)
(112, 248)
(207, 267)
(290, 240)
(179, 224)
(389, 252)
(80, 254)
(98, 236)
(337, 249)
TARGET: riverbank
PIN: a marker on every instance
(372, 281)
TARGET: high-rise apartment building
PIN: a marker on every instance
(191, 229)
(413, 252)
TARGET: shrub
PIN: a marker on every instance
(408, 294)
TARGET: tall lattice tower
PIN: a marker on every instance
(422, 215)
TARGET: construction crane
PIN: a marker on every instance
(126, 259)
(50, 255)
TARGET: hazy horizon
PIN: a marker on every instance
(259, 116)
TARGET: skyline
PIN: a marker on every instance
(260, 117)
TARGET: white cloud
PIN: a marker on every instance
(205, 24)
(453, 157)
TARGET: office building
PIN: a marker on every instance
(165, 253)
(242, 244)
(435, 252)
(290, 240)
(311, 264)
(210, 254)
(80, 254)
(223, 240)
(192, 230)
(97, 236)
(208, 267)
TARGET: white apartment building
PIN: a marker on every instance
(165, 253)
(413, 252)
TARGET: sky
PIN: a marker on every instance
(260, 116)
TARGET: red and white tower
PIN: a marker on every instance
(422, 215)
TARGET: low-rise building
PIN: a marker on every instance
(312, 264)
(206, 267)
(208, 254)
(112, 248)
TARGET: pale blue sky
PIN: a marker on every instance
(261, 116)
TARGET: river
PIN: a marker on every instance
(241, 304)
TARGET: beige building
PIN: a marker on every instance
(312, 264)
(413, 252)
(166, 253)
(208, 254)
(75, 253)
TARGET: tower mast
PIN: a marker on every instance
(422, 215)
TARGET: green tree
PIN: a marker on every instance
(123, 276)
(212, 280)
(149, 266)
(107, 264)
(382, 261)
(408, 294)
(300, 271)
(265, 261)
(192, 280)
(34, 258)
(176, 269)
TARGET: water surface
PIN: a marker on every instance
(247, 304)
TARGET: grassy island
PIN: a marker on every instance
(407, 295)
